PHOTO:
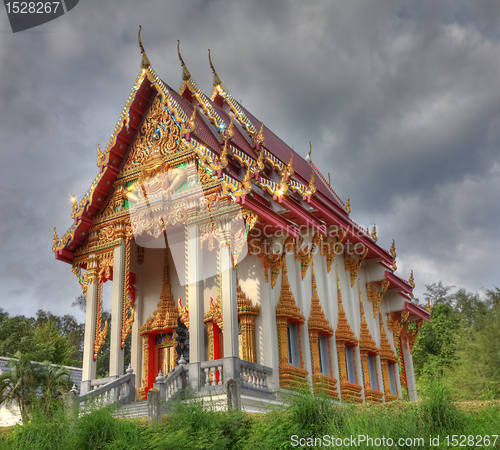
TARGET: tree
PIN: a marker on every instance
(437, 341)
(54, 381)
(19, 384)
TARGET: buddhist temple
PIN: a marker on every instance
(231, 257)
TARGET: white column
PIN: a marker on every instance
(136, 348)
(410, 374)
(268, 302)
(229, 302)
(195, 300)
(116, 356)
(89, 365)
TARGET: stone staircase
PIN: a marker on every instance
(133, 410)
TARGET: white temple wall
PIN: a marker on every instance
(152, 280)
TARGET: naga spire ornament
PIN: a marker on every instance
(393, 254)
(55, 240)
(145, 61)
(185, 72)
(216, 80)
(348, 205)
(411, 280)
(374, 233)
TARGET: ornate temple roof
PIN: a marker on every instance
(256, 160)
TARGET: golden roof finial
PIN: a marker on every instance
(55, 240)
(223, 155)
(145, 61)
(191, 121)
(374, 233)
(260, 134)
(312, 184)
(393, 249)
(348, 205)
(428, 307)
(216, 80)
(246, 182)
(185, 72)
(260, 161)
(308, 157)
(75, 206)
(329, 180)
(100, 156)
(393, 254)
(411, 280)
(229, 134)
(290, 169)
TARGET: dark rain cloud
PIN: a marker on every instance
(399, 99)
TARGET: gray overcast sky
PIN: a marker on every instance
(400, 99)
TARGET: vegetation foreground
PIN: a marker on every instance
(196, 426)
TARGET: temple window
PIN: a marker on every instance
(324, 355)
(288, 321)
(346, 343)
(368, 351)
(292, 332)
(372, 371)
(350, 365)
(392, 378)
(320, 333)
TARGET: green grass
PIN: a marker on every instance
(197, 425)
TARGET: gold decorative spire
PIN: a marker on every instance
(386, 352)
(185, 72)
(191, 121)
(100, 156)
(312, 184)
(260, 161)
(317, 320)
(74, 207)
(223, 155)
(216, 80)
(374, 233)
(290, 169)
(329, 180)
(411, 280)
(260, 134)
(246, 182)
(366, 342)
(229, 132)
(145, 61)
(428, 307)
(344, 332)
(348, 205)
(286, 306)
(166, 314)
(393, 254)
(55, 241)
(393, 249)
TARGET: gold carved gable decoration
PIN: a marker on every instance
(159, 132)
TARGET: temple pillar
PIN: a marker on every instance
(270, 338)
(116, 354)
(410, 374)
(89, 364)
(195, 300)
(229, 300)
(136, 359)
